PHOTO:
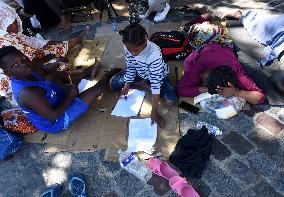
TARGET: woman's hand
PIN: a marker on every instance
(227, 91)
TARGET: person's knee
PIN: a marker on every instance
(116, 82)
(168, 102)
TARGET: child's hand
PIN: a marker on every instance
(124, 91)
(156, 117)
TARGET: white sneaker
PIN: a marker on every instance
(162, 15)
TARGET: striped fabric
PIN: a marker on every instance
(149, 65)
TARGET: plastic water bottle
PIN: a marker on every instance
(211, 128)
(131, 163)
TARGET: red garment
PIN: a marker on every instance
(212, 56)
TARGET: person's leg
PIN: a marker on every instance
(56, 6)
(161, 6)
(168, 94)
(90, 95)
(157, 5)
(117, 82)
(232, 15)
(74, 77)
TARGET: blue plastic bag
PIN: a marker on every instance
(9, 143)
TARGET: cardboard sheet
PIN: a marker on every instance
(85, 55)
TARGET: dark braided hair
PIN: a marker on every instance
(220, 76)
(133, 34)
(6, 51)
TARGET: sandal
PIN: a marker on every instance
(77, 185)
(181, 187)
(53, 191)
(161, 168)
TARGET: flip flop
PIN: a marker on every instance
(181, 187)
(77, 185)
(53, 191)
(157, 166)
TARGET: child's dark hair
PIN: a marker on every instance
(6, 51)
(133, 34)
(220, 76)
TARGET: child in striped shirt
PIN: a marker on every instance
(145, 68)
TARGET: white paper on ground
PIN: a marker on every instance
(141, 135)
(86, 84)
(202, 97)
(131, 106)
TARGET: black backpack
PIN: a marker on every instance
(192, 152)
(173, 44)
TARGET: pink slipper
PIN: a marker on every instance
(181, 187)
(161, 168)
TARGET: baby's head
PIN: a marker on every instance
(134, 37)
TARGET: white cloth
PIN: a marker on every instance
(7, 16)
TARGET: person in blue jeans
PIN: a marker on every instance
(49, 98)
(145, 68)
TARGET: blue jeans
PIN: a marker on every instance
(167, 90)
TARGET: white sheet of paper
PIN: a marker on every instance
(131, 106)
(141, 135)
(85, 84)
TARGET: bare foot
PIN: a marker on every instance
(235, 15)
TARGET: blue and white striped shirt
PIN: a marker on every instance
(149, 65)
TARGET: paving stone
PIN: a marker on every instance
(262, 164)
(172, 194)
(219, 150)
(146, 193)
(220, 181)
(238, 143)
(111, 194)
(271, 124)
(279, 182)
(33, 178)
(111, 167)
(263, 189)
(279, 158)
(247, 193)
(200, 187)
(265, 142)
(128, 183)
(160, 185)
(241, 172)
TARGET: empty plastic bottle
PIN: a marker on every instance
(131, 163)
